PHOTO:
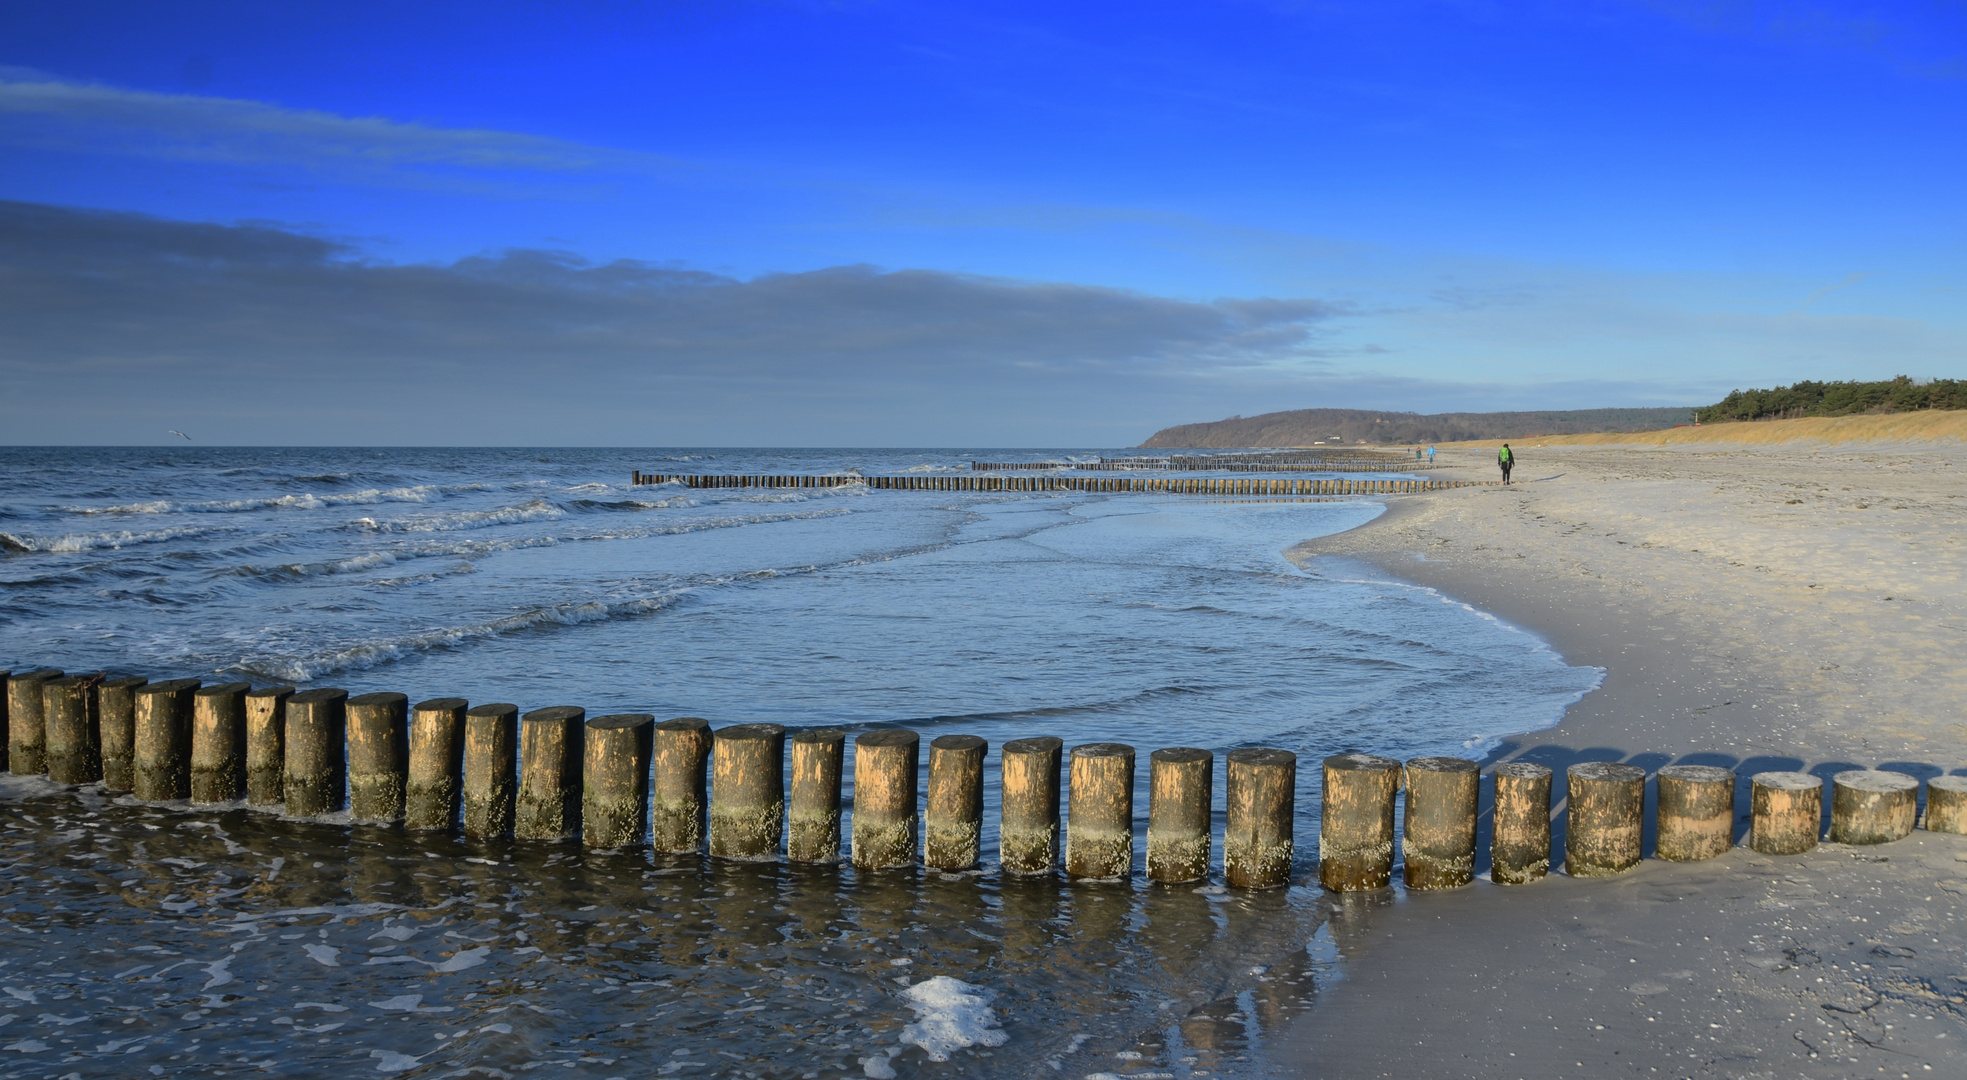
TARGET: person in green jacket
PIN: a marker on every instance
(1505, 458)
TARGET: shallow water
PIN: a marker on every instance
(540, 577)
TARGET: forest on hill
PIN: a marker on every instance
(1310, 427)
(1902, 394)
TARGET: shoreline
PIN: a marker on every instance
(1745, 965)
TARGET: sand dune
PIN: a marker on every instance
(1914, 427)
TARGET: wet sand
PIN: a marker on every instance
(1759, 608)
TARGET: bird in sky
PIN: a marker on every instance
(181, 435)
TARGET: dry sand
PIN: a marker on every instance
(1755, 607)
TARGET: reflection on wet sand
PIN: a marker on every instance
(214, 942)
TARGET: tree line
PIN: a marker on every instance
(1807, 398)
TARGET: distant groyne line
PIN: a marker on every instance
(761, 793)
(1146, 485)
(1272, 461)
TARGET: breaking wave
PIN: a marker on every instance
(373, 653)
(74, 542)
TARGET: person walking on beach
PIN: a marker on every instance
(1505, 458)
(1430, 455)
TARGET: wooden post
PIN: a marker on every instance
(163, 740)
(1180, 795)
(549, 774)
(1099, 830)
(1262, 792)
(1696, 815)
(1785, 812)
(747, 792)
(378, 756)
(615, 781)
(1355, 828)
(74, 731)
(218, 743)
(813, 804)
(491, 765)
(436, 776)
(27, 733)
(1028, 831)
(1438, 836)
(1605, 808)
(952, 821)
(885, 764)
(1946, 805)
(266, 745)
(116, 716)
(676, 793)
(1519, 847)
(315, 777)
(1870, 806)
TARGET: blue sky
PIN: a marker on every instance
(916, 224)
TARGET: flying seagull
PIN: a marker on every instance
(181, 435)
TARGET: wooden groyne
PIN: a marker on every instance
(627, 783)
(1291, 461)
(1145, 485)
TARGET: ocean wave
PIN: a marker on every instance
(602, 506)
(74, 542)
(474, 549)
(370, 654)
(420, 493)
(531, 510)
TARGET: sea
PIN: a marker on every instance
(158, 940)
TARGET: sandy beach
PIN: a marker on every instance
(1761, 607)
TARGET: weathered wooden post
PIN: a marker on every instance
(163, 740)
(1602, 828)
(315, 775)
(266, 745)
(747, 792)
(1028, 831)
(116, 717)
(1099, 829)
(1696, 815)
(1519, 847)
(1355, 829)
(1785, 812)
(1180, 793)
(218, 743)
(74, 730)
(1946, 805)
(1438, 836)
(27, 733)
(615, 781)
(378, 756)
(550, 773)
(813, 802)
(1870, 806)
(436, 776)
(677, 795)
(1262, 791)
(885, 764)
(491, 766)
(952, 820)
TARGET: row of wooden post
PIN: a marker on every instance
(1334, 464)
(626, 781)
(1604, 817)
(1164, 485)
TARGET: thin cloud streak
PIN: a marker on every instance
(45, 112)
